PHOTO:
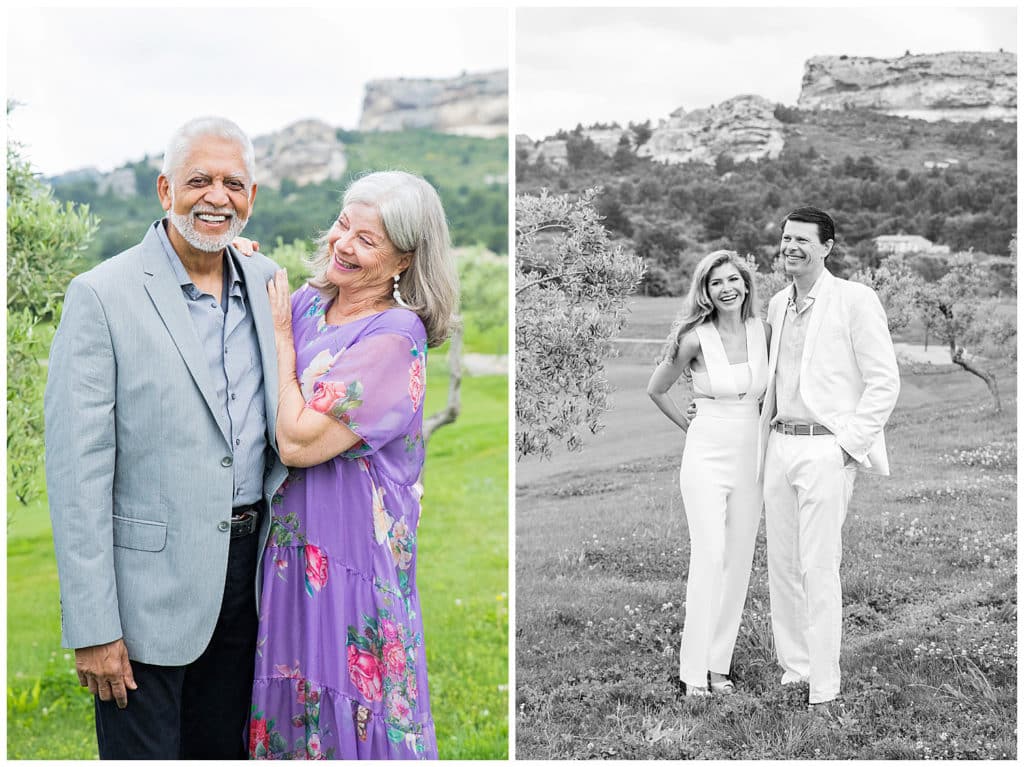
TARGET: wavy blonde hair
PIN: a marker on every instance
(698, 307)
(413, 218)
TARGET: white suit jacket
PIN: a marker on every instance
(849, 378)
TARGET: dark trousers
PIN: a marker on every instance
(198, 711)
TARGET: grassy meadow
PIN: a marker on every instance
(463, 579)
(929, 575)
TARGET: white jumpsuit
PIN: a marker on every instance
(722, 500)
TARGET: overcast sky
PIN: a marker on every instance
(104, 86)
(586, 65)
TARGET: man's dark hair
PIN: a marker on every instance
(811, 215)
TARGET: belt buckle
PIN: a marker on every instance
(244, 524)
(788, 429)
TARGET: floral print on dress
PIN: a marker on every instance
(342, 547)
(382, 521)
(319, 311)
(284, 532)
(318, 367)
(316, 568)
(293, 477)
(382, 666)
(335, 398)
(267, 741)
(417, 382)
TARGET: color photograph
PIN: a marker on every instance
(765, 313)
(257, 383)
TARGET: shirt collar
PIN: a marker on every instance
(811, 294)
(234, 279)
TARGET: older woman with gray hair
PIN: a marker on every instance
(340, 668)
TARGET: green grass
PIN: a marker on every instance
(462, 573)
(929, 574)
(459, 161)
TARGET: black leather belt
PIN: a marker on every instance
(801, 429)
(245, 520)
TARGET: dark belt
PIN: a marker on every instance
(245, 520)
(801, 429)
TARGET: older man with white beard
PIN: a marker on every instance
(161, 460)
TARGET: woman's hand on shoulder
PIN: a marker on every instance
(280, 301)
(245, 246)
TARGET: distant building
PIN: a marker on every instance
(900, 244)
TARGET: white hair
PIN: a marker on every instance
(200, 127)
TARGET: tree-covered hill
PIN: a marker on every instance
(867, 169)
(470, 174)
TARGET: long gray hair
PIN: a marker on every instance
(413, 218)
(698, 307)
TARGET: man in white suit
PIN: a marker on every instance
(160, 405)
(833, 382)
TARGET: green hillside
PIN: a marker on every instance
(867, 169)
(469, 173)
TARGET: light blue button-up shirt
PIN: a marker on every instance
(227, 334)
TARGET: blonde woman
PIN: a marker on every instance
(724, 347)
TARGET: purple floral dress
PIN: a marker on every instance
(340, 666)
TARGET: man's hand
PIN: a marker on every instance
(691, 412)
(106, 671)
(847, 458)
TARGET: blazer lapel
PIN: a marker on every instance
(165, 292)
(776, 316)
(256, 290)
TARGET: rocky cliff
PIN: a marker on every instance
(470, 105)
(743, 128)
(307, 152)
(950, 86)
(607, 139)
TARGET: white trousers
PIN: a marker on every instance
(722, 500)
(806, 495)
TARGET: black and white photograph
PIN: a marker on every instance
(765, 403)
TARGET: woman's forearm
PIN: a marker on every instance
(289, 396)
(668, 406)
(304, 437)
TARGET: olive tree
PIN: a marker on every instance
(960, 309)
(571, 290)
(44, 240)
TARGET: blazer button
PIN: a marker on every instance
(226, 461)
(223, 526)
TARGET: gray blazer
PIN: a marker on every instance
(138, 467)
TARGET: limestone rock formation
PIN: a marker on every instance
(307, 152)
(606, 139)
(743, 128)
(120, 183)
(950, 86)
(553, 152)
(469, 105)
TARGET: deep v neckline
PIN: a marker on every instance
(719, 369)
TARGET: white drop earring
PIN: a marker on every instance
(395, 294)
